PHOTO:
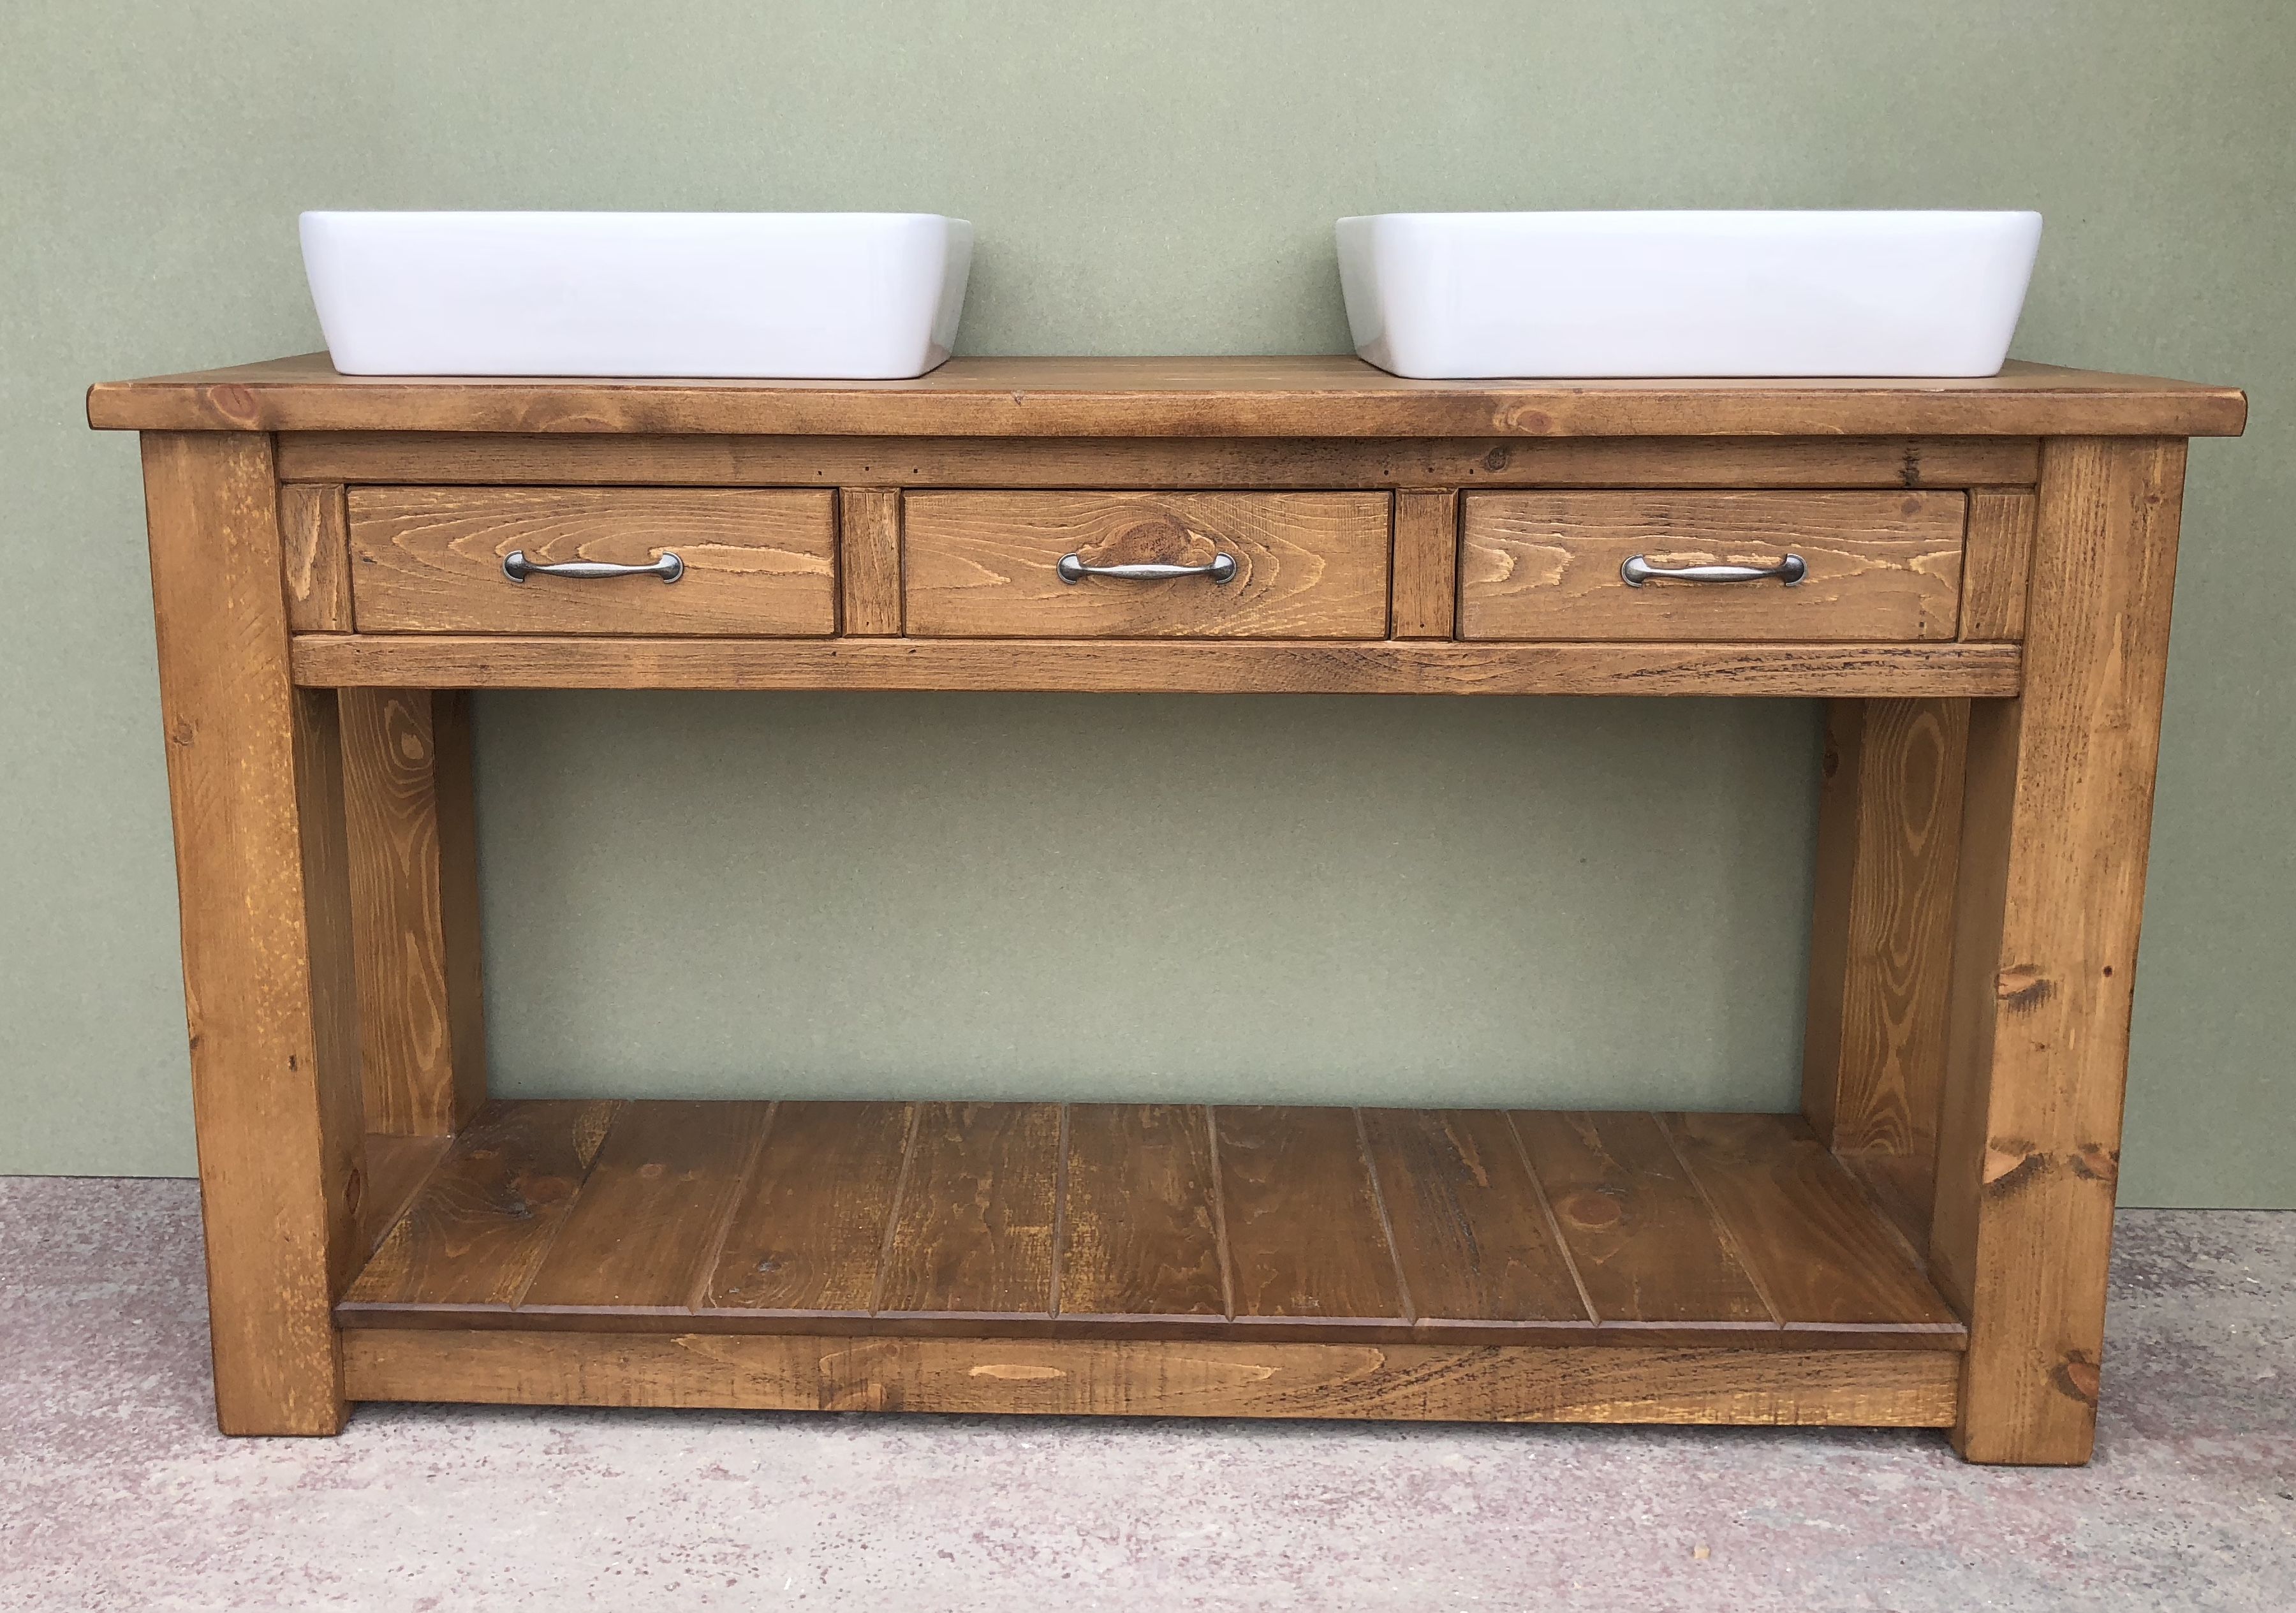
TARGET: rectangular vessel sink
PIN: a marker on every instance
(854, 296)
(1570, 295)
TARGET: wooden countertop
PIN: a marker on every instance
(1308, 395)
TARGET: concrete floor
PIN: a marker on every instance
(115, 1492)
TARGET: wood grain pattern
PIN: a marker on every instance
(414, 874)
(869, 561)
(808, 1233)
(984, 565)
(479, 1229)
(1802, 1228)
(1889, 848)
(1426, 564)
(429, 560)
(1140, 1228)
(1304, 1226)
(1117, 665)
(315, 558)
(1643, 1240)
(1998, 562)
(1160, 1378)
(880, 462)
(645, 1228)
(1882, 566)
(1903, 1187)
(972, 1229)
(1472, 1234)
(254, 778)
(2055, 836)
(396, 1167)
(1272, 397)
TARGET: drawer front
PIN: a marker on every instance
(988, 565)
(429, 560)
(1884, 567)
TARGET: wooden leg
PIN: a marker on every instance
(1888, 843)
(255, 781)
(414, 908)
(2059, 807)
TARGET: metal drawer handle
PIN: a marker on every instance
(518, 568)
(1789, 571)
(1073, 569)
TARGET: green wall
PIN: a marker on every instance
(1564, 901)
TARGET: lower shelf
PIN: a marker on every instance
(1152, 1224)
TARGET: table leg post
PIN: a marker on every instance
(407, 763)
(255, 783)
(2058, 814)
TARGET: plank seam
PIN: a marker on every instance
(1553, 1226)
(893, 1207)
(1219, 1213)
(1060, 1210)
(1386, 1224)
(697, 1291)
(541, 1256)
(1722, 1227)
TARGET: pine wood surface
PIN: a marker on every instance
(1308, 395)
(1118, 666)
(429, 560)
(314, 557)
(1881, 566)
(948, 1219)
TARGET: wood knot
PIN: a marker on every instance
(1497, 459)
(232, 402)
(1591, 1209)
(1154, 539)
(2012, 1164)
(2094, 1162)
(2076, 1377)
(2023, 987)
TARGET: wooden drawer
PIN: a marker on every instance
(987, 565)
(429, 560)
(1880, 566)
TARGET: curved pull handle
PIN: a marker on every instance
(518, 569)
(1790, 571)
(1073, 569)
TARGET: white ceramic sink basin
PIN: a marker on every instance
(859, 296)
(1470, 295)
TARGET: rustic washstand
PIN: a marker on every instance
(1975, 573)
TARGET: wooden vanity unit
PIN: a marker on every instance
(1974, 574)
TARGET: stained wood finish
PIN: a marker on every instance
(644, 1230)
(1903, 1187)
(880, 462)
(1997, 564)
(1474, 1237)
(1426, 564)
(808, 1233)
(483, 1220)
(973, 1231)
(1648, 1249)
(396, 1167)
(429, 560)
(985, 565)
(1889, 849)
(1140, 1226)
(414, 875)
(1882, 566)
(254, 777)
(869, 561)
(1280, 397)
(1806, 1233)
(315, 558)
(1160, 1378)
(1146, 1221)
(1206, 667)
(2053, 841)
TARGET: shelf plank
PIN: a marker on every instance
(482, 1221)
(808, 1228)
(1646, 1243)
(1140, 1233)
(1812, 1240)
(1472, 1234)
(651, 1211)
(1304, 1228)
(972, 1231)
(1161, 1378)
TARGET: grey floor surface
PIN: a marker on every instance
(116, 1491)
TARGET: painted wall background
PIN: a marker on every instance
(1583, 902)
